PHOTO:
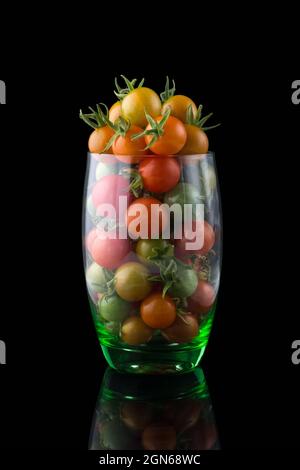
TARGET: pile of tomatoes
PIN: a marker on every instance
(147, 289)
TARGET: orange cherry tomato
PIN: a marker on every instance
(139, 221)
(179, 105)
(157, 311)
(183, 330)
(159, 174)
(134, 331)
(171, 141)
(127, 150)
(196, 141)
(115, 111)
(99, 139)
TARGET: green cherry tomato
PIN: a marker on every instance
(148, 248)
(104, 169)
(113, 327)
(184, 193)
(113, 308)
(96, 278)
(185, 281)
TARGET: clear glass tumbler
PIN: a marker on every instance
(152, 235)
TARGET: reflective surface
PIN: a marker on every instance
(154, 413)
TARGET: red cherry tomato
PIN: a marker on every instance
(202, 299)
(90, 239)
(159, 174)
(109, 252)
(208, 234)
(139, 218)
(108, 191)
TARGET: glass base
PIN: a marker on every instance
(153, 362)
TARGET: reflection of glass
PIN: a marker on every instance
(152, 297)
(154, 413)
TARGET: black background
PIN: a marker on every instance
(54, 364)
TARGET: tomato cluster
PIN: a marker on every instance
(147, 288)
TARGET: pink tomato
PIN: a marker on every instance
(109, 252)
(108, 191)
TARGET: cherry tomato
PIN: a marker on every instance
(91, 236)
(134, 331)
(137, 102)
(131, 281)
(95, 278)
(182, 330)
(99, 139)
(206, 232)
(184, 193)
(196, 141)
(139, 220)
(113, 308)
(159, 174)
(184, 281)
(179, 105)
(115, 111)
(157, 311)
(109, 252)
(147, 248)
(127, 150)
(105, 168)
(202, 299)
(159, 436)
(172, 139)
(108, 191)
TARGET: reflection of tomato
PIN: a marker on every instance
(206, 232)
(196, 142)
(179, 105)
(99, 139)
(134, 331)
(136, 415)
(159, 174)
(127, 150)
(109, 252)
(139, 220)
(183, 329)
(202, 299)
(113, 308)
(171, 140)
(158, 311)
(108, 191)
(131, 281)
(137, 102)
(115, 111)
(159, 436)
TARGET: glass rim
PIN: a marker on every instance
(196, 156)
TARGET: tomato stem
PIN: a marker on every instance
(198, 120)
(130, 86)
(168, 92)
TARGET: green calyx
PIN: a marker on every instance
(130, 86)
(168, 92)
(121, 127)
(169, 268)
(157, 128)
(198, 120)
(97, 118)
(136, 181)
